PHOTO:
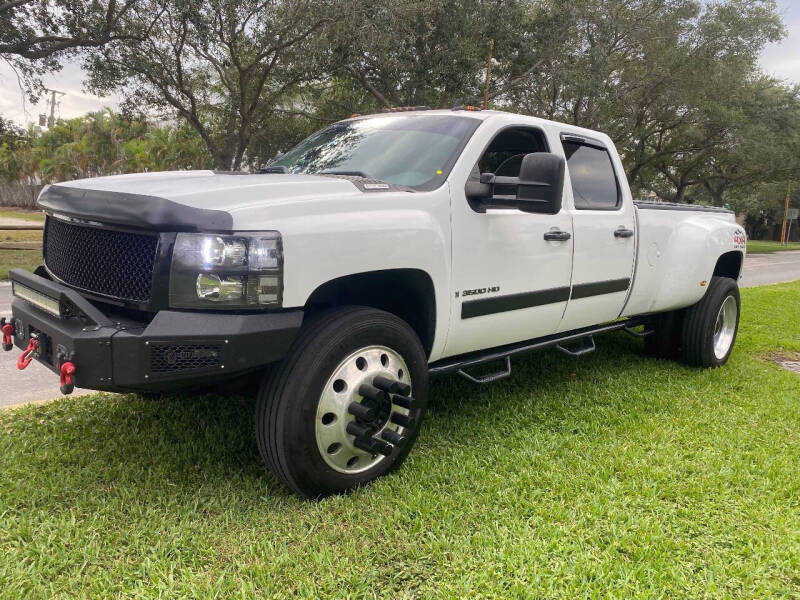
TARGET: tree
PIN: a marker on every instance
(36, 34)
(101, 143)
(657, 75)
(222, 66)
(434, 52)
(762, 143)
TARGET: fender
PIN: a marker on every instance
(325, 241)
(677, 254)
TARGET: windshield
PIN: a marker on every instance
(416, 151)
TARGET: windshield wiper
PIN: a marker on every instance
(276, 169)
(346, 173)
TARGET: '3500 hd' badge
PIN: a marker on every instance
(480, 291)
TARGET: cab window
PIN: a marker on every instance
(503, 156)
(594, 184)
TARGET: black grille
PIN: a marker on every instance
(168, 358)
(118, 264)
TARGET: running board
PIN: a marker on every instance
(489, 377)
(587, 349)
(458, 364)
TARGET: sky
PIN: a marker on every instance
(781, 60)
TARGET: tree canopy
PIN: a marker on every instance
(675, 83)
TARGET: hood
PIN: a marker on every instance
(190, 200)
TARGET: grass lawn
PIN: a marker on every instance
(35, 216)
(610, 476)
(19, 249)
(764, 246)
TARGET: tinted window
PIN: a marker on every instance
(504, 155)
(594, 185)
(414, 151)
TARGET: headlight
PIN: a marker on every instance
(226, 271)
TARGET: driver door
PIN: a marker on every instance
(509, 284)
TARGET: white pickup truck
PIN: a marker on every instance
(379, 251)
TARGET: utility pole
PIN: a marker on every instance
(51, 120)
(784, 237)
(488, 76)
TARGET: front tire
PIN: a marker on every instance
(304, 415)
(711, 325)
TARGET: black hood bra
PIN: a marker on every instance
(132, 210)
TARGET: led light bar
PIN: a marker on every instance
(39, 300)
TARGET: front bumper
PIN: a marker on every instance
(175, 350)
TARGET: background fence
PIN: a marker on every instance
(19, 194)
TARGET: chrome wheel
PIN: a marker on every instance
(357, 423)
(725, 327)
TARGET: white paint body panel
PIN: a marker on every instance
(598, 255)
(331, 229)
(503, 248)
(677, 253)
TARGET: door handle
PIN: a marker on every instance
(622, 232)
(557, 236)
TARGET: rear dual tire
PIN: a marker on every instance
(301, 412)
(702, 335)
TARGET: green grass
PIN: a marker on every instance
(19, 249)
(610, 476)
(765, 246)
(18, 259)
(35, 216)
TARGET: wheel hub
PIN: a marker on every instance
(725, 327)
(362, 414)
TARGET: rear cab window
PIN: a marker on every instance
(591, 172)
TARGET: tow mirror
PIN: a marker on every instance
(541, 183)
(538, 189)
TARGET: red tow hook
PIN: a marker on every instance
(8, 334)
(27, 355)
(67, 371)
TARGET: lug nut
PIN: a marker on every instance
(370, 391)
(404, 401)
(382, 447)
(385, 384)
(402, 420)
(358, 430)
(373, 446)
(393, 437)
(403, 388)
(365, 445)
(360, 411)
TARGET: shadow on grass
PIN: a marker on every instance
(171, 447)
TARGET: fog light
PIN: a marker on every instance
(219, 289)
(267, 289)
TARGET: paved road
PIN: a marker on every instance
(761, 269)
(34, 384)
(38, 384)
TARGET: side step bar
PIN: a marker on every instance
(587, 349)
(459, 364)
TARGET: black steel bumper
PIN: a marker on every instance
(174, 350)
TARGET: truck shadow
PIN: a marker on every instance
(178, 446)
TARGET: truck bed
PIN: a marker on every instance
(678, 206)
(676, 251)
